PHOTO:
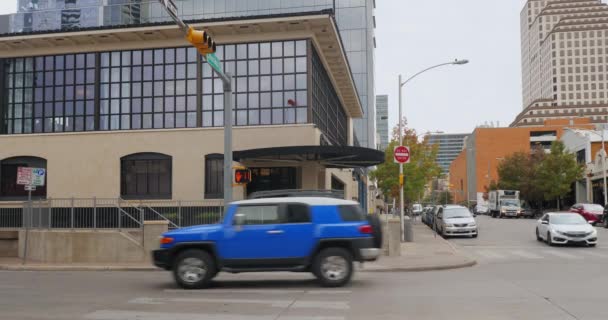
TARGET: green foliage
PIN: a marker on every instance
(539, 176)
(520, 172)
(418, 172)
(557, 172)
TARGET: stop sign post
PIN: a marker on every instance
(402, 154)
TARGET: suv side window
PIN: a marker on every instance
(351, 213)
(256, 215)
(296, 213)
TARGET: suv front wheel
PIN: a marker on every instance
(333, 267)
(194, 269)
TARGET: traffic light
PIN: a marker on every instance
(202, 40)
(242, 176)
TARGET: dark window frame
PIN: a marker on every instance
(150, 159)
(22, 161)
(214, 179)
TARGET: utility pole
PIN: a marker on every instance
(206, 46)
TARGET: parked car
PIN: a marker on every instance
(417, 209)
(591, 212)
(528, 212)
(481, 209)
(455, 221)
(319, 235)
(565, 228)
(605, 217)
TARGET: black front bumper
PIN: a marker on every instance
(161, 258)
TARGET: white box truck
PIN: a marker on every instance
(504, 203)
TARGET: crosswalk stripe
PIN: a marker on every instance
(297, 304)
(525, 254)
(258, 291)
(562, 254)
(594, 254)
(490, 254)
(138, 315)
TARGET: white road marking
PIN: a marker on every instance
(139, 315)
(258, 291)
(489, 254)
(560, 254)
(525, 254)
(594, 254)
(296, 304)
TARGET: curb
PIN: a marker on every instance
(74, 268)
(423, 269)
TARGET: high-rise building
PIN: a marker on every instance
(564, 53)
(450, 146)
(382, 121)
(355, 21)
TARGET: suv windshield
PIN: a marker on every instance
(574, 219)
(452, 213)
(510, 203)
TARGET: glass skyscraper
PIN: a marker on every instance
(355, 21)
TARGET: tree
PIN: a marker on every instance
(519, 171)
(421, 169)
(557, 172)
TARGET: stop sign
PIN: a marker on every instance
(402, 154)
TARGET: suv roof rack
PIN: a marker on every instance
(291, 193)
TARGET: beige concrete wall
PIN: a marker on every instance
(9, 243)
(85, 165)
(83, 246)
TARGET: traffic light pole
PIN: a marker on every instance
(171, 9)
(227, 139)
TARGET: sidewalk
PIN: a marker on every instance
(426, 253)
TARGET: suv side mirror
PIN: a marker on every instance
(545, 222)
(440, 215)
(239, 219)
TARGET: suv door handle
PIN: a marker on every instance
(275, 232)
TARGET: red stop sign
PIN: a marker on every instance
(402, 154)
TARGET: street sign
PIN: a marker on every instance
(31, 176)
(214, 62)
(402, 154)
(38, 177)
(24, 176)
(30, 188)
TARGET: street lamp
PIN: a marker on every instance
(401, 84)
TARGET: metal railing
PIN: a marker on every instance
(98, 213)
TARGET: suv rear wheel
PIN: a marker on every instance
(333, 267)
(194, 269)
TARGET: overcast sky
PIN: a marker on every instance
(415, 34)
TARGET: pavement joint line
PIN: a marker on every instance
(295, 303)
(138, 315)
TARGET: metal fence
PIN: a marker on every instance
(94, 213)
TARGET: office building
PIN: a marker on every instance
(476, 166)
(449, 147)
(136, 114)
(355, 23)
(382, 121)
(564, 53)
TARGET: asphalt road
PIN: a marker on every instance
(516, 278)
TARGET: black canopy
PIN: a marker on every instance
(328, 156)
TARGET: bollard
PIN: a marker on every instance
(408, 230)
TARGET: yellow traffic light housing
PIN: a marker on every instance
(202, 40)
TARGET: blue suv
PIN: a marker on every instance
(319, 235)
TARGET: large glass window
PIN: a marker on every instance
(146, 176)
(270, 84)
(51, 94)
(9, 189)
(148, 89)
(327, 110)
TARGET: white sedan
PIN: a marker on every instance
(565, 228)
